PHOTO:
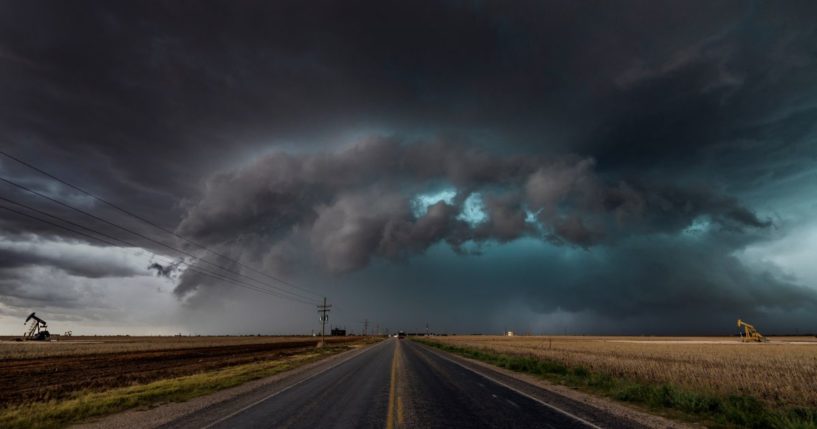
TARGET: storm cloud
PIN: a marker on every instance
(356, 203)
(71, 257)
(609, 163)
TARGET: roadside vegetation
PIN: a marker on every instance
(70, 407)
(646, 377)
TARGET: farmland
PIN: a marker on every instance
(57, 370)
(778, 373)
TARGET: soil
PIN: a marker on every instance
(58, 377)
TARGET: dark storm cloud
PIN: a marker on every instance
(165, 270)
(78, 263)
(144, 100)
(355, 203)
(677, 278)
(232, 123)
(687, 284)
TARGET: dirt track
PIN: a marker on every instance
(40, 379)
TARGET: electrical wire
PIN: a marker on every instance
(153, 224)
(190, 267)
(125, 242)
(41, 195)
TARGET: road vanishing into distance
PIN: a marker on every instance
(399, 383)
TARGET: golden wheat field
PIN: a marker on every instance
(781, 372)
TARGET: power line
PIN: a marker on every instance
(66, 221)
(149, 239)
(153, 224)
(41, 195)
(117, 239)
(190, 267)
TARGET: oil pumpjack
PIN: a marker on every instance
(750, 334)
(37, 329)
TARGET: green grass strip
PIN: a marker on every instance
(713, 410)
(87, 405)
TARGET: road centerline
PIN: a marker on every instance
(290, 386)
(394, 401)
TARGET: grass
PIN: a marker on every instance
(713, 409)
(87, 405)
(780, 373)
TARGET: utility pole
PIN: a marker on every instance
(426, 329)
(377, 330)
(365, 326)
(324, 311)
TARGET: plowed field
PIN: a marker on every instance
(56, 376)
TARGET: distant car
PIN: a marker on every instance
(401, 335)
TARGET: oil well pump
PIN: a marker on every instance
(750, 334)
(37, 329)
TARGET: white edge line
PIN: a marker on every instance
(272, 395)
(553, 407)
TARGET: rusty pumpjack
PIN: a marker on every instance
(37, 330)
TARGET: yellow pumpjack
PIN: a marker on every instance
(750, 334)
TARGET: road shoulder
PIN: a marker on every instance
(194, 413)
(592, 408)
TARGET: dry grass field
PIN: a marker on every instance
(781, 372)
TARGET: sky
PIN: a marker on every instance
(547, 167)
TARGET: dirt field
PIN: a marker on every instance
(781, 372)
(79, 345)
(42, 371)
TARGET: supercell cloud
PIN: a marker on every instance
(382, 198)
(549, 166)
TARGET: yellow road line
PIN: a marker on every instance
(400, 418)
(393, 392)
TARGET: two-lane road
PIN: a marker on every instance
(397, 384)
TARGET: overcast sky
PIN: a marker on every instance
(544, 167)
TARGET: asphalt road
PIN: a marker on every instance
(403, 384)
